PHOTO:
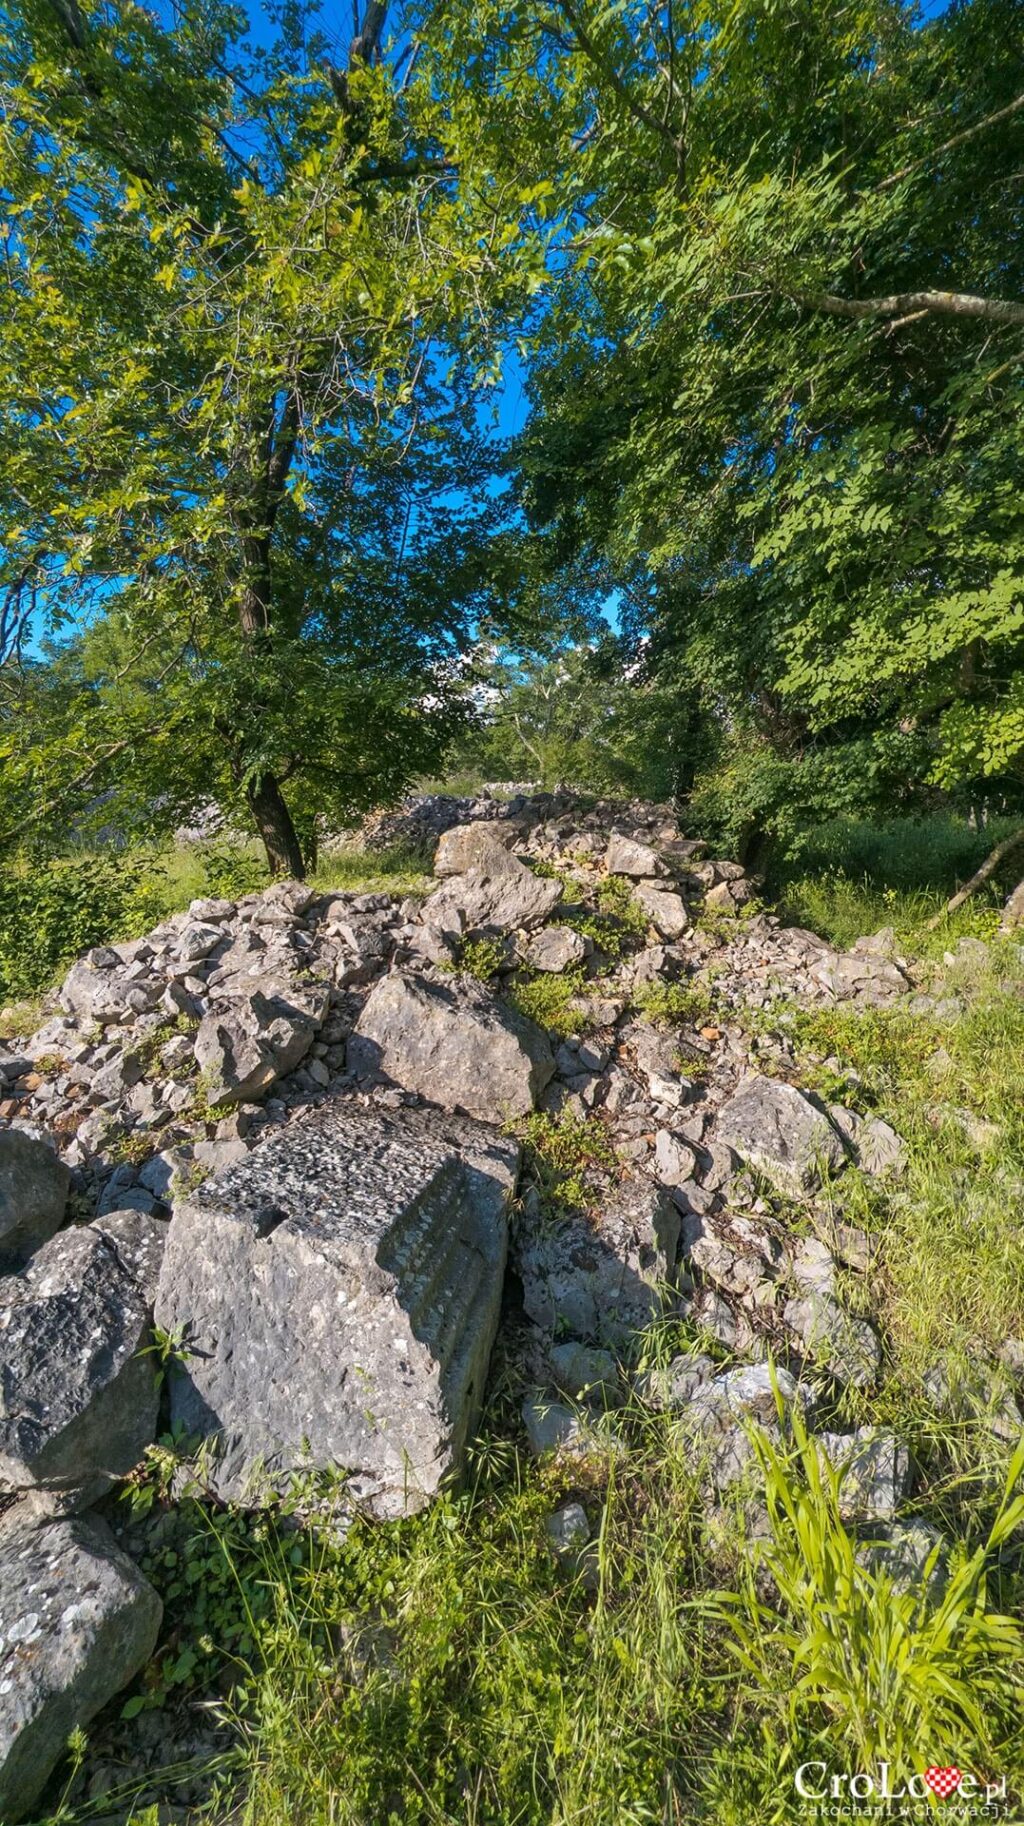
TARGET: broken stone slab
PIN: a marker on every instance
(484, 844)
(455, 1044)
(874, 1468)
(339, 1291)
(556, 948)
(244, 1048)
(780, 1132)
(78, 1403)
(492, 899)
(845, 1345)
(34, 1184)
(77, 1623)
(639, 861)
(666, 912)
(601, 1277)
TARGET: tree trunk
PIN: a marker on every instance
(978, 880)
(273, 820)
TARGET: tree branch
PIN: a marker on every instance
(899, 304)
(622, 89)
(990, 120)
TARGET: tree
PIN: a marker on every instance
(249, 301)
(778, 398)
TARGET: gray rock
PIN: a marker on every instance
(553, 1427)
(581, 1370)
(341, 1290)
(602, 1277)
(912, 1556)
(100, 990)
(244, 1048)
(778, 1131)
(506, 899)
(454, 1043)
(77, 1622)
(674, 1159)
(637, 860)
(34, 1186)
(78, 1404)
(874, 1145)
(845, 1345)
(721, 1411)
(875, 1472)
(568, 1533)
(484, 844)
(735, 1253)
(975, 1392)
(556, 948)
(854, 976)
(673, 1385)
(666, 912)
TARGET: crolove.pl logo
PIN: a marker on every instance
(877, 1793)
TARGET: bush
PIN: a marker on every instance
(51, 912)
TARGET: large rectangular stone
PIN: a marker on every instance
(339, 1293)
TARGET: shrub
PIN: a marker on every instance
(51, 912)
(550, 1000)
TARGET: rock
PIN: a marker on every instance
(455, 1044)
(875, 1146)
(34, 1185)
(875, 1472)
(78, 1404)
(912, 1556)
(781, 1133)
(674, 1159)
(735, 1253)
(637, 860)
(484, 844)
(666, 912)
(341, 1290)
(77, 1622)
(721, 1410)
(98, 989)
(602, 1276)
(568, 1534)
(556, 948)
(553, 1427)
(673, 1385)
(856, 976)
(245, 1048)
(506, 899)
(729, 896)
(846, 1346)
(975, 1392)
(581, 1371)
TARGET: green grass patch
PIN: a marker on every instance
(550, 1000)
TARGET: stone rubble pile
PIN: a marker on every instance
(289, 1125)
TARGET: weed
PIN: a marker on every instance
(672, 1004)
(563, 1154)
(483, 958)
(550, 1000)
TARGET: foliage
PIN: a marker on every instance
(251, 314)
(550, 998)
(586, 717)
(483, 958)
(777, 392)
(50, 913)
(890, 1670)
(672, 1004)
(562, 1152)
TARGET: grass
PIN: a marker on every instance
(550, 1000)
